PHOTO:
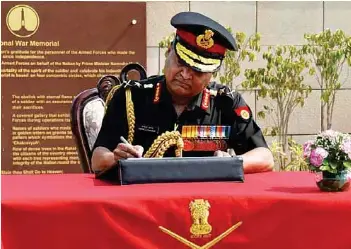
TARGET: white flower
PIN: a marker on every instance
(322, 152)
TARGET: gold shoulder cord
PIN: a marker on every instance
(162, 143)
(165, 141)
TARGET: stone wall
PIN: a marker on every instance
(279, 23)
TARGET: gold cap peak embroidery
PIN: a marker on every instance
(205, 40)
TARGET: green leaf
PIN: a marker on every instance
(251, 57)
(333, 171)
(347, 164)
(261, 115)
(222, 79)
(266, 107)
(324, 168)
(312, 71)
(274, 131)
(333, 164)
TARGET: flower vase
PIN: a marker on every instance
(333, 182)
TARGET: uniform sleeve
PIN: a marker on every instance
(245, 134)
(114, 123)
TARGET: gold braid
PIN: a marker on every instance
(129, 107)
(130, 115)
(162, 143)
(110, 95)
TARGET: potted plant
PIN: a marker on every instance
(329, 155)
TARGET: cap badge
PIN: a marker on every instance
(205, 40)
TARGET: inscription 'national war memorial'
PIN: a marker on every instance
(44, 66)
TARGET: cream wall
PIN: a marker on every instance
(278, 23)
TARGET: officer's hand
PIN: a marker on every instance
(229, 153)
(124, 151)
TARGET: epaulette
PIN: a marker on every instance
(111, 94)
(152, 81)
(148, 83)
(218, 90)
(225, 99)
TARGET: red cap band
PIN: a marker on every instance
(190, 38)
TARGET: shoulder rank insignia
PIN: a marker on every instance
(222, 91)
(131, 83)
(243, 111)
(213, 92)
(157, 93)
(148, 86)
(205, 99)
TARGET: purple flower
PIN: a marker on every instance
(307, 148)
(317, 156)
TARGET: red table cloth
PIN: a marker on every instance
(276, 210)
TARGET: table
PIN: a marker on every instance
(275, 210)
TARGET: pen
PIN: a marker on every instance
(124, 140)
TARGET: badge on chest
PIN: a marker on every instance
(148, 128)
(205, 137)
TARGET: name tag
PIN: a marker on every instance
(149, 128)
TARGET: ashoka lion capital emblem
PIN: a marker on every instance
(199, 210)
